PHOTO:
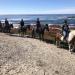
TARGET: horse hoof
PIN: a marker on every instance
(71, 52)
(57, 46)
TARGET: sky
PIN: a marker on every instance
(37, 6)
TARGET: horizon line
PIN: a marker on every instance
(38, 14)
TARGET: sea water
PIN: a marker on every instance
(44, 18)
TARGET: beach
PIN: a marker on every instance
(27, 56)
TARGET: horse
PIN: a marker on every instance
(23, 30)
(7, 29)
(0, 26)
(70, 40)
(39, 31)
(58, 38)
(10, 27)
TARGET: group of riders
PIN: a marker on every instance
(38, 25)
(5, 27)
(65, 27)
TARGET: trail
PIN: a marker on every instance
(27, 56)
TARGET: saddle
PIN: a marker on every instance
(64, 40)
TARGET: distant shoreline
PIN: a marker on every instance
(37, 14)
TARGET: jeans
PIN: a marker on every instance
(65, 34)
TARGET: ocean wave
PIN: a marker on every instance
(31, 19)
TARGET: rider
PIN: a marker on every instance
(22, 23)
(6, 25)
(38, 24)
(0, 26)
(65, 30)
(6, 22)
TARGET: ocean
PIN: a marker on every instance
(44, 18)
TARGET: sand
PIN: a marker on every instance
(27, 56)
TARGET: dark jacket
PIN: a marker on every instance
(6, 23)
(65, 28)
(38, 24)
(0, 24)
(22, 23)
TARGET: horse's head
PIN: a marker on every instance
(28, 27)
(58, 36)
(47, 27)
(11, 25)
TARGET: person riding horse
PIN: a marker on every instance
(38, 24)
(22, 29)
(0, 26)
(39, 29)
(6, 26)
(65, 30)
(22, 24)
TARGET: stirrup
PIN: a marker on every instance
(65, 40)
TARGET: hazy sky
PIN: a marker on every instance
(37, 6)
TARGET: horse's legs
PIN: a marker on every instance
(58, 43)
(74, 46)
(33, 33)
(9, 30)
(25, 32)
(70, 47)
(42, 35)
(22, 34)
(19, 32)
(39, 36)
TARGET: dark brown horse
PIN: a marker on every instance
(40, 31)
(23, 30)
(6, 29)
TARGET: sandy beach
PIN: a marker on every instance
(27, 56)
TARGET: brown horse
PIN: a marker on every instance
(58, 39)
